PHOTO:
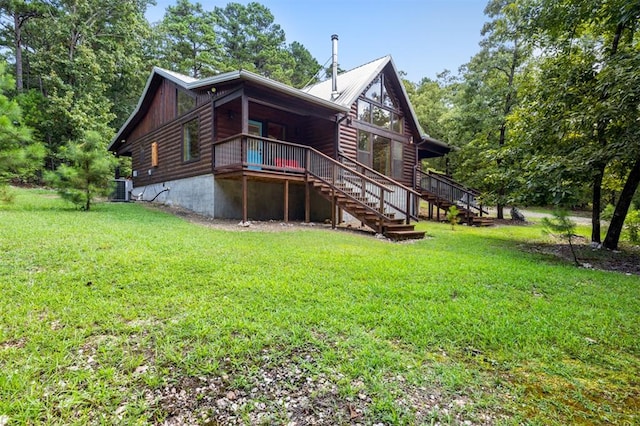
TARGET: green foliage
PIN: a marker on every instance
(562, 226)
(169, 304)
(607, 213)
(20, 156)
(632, 225)
(86, 171)
(187, 40)
(452, 216)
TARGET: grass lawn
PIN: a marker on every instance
(128, 315)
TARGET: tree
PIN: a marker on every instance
(252, 41)
(85, 172)
(14, 15)
(187, 41)
(588, 62)
(20, 156)
(563, 226)
(491, 82)
(305, 68)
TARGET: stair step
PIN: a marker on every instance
(394, 227)
(405, 235)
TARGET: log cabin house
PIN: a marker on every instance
(242, 146)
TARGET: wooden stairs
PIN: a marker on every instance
(442, 192)
(366, 209)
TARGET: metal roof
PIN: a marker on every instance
(351, 84)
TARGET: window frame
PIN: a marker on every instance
(190, 158)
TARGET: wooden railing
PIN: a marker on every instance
(447, 189)
(247, 152)
(254, 153)
(401, 198)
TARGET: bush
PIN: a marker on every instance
(632, 225)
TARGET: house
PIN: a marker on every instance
(242, 146)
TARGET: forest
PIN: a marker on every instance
(546, 113)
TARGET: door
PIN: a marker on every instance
(254, 146)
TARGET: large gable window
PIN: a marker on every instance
(190, 141)
(380, 108)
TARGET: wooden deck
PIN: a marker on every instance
(372, 198)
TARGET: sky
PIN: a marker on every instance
(424, 37)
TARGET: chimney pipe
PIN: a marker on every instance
(334, 65)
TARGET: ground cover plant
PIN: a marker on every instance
(130, 315)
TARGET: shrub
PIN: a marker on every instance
(632, 225)
(562, 226)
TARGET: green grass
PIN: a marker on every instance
(101, 309)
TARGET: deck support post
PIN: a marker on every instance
(286, 201)
(307, 203)
(333, 210)
(244, 198)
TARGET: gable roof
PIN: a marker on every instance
(352, 83)
(190, 83)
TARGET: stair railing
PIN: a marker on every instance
(344, 180)
(249, 152)
(401, 199)
(447, 189)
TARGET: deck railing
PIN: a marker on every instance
(373, 192)
(401, 197)
(447, 189)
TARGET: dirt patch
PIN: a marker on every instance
(626, 260)
(291, 391)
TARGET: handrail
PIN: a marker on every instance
(451, 181)
(449, 190)
(305, 147)
(408, 192)
(380, 175)
(286, 157)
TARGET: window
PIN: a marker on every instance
(380, 107)
(382, 154)
(191, 141)
(364, 148)
(276, 131)
(397, 160)
(185, 101)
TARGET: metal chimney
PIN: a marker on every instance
(334, 65)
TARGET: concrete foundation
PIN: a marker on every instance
(222, 198)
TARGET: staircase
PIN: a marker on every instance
(443, 192)
(372, 198)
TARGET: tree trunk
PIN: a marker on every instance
(17, 23)
(597, 203)
(500, 211)
(624, 202)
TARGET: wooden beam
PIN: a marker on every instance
(307, 203)
(245, 113)
(244, 199)
(286, 201)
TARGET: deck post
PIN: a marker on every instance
(408, 212)
(307, 202)
(333, 208)
(286, 201)
(244, 198)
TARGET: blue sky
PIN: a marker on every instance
(424, 37)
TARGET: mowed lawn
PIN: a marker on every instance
(127, 315)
